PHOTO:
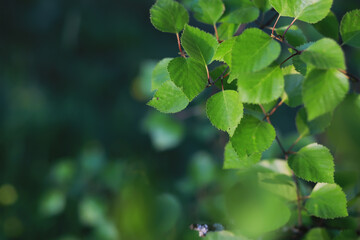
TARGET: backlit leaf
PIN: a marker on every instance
(350, 28)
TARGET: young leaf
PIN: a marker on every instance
(253, 50)
(160, 74)
(223, 52)
(225, 110)
(261, 87)
(328, 27)
(252, 135)
(350, 28)
(315, 126)
(199, 44)
(233, 161)
(310, 11)
(313, 163)
(317, 234)
(327, 201)
(168, 16)
(227, 30)
(189, 75)
(169, 98)
(208, 11)
(323, 90)
(293, 87)
(240, 11)
(324, 54)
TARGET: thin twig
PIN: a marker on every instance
(276, 107)
(349, 75)
(291, 56)
(216, 33)
(222, 75)
(273, 28)
(262, 26)
(293, 145)
(179, 45)
(283, 36)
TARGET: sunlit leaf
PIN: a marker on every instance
(350, 28)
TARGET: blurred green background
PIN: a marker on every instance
(83, 157)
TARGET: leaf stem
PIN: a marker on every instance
(291, 56)
(296, 141)
(216, 33)
(349, 75)
(179, 45)
(283, 36)
(276, 107)
(208, 74)
(273, 28)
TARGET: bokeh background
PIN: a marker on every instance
(83, 157)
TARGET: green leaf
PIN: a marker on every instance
(310, 11)
(189, 75)
(300, 65)
(279, 184)
(208, 11)
(327, 201)
(323, 90)
(294, 35)
(220, 71)
(350, 28)
(199, 44)
(253, 50)
(293, 87)
(261, 87)
(252, 135)
(160, 74)
(169, 98)
(168, 16)
(324, 54)
(240, 11)
(263, 5)
(225, 110)
(233, 161)
(227, 30)
(315, 126)
(223, 52)
(317, 234)
(328, 27)
(314, 163)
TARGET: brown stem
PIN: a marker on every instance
(222, 75)
(291, 56)
(349, 75)
(283, 36)
(273, 28)
(208, 74)
(268, 22)
(293, 145)
(216, 33)
(179, 45)
(276, 107)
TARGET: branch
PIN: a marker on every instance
(179, 45)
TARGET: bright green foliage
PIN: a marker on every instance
(324, 54)
(317, 234)
(261, 87)
(168, 16)
(350, 28)
(232, 160)
(208, 11)
(225, 110)
(323, 90)
(315, 126)
(189, 75)
(227, 30)
(169, 98)
(199, 44)
(313, 163)
(252, 135)
(327, 201)
(223, 52)
(279, 184)
(160, 74)
(263, 5)
(293, 87)
(299, 64)
(240, 11)
(310, 11)
(328, 27)
(253, 50)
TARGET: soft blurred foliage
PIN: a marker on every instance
(83, 157)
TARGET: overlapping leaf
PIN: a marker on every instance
(315, 126)
(310, 11)
(198, 44)
(322, 91)
(168, 16)
(169, 98)
(261, 87)
(208, 11)
(328, 27)
(293, 87)
(225, 110)
(313, 163)
(189, 75)
(350, 28)
(232, 160)
(160, 74)
(240, 11)
(327, 201)
(253, 51)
